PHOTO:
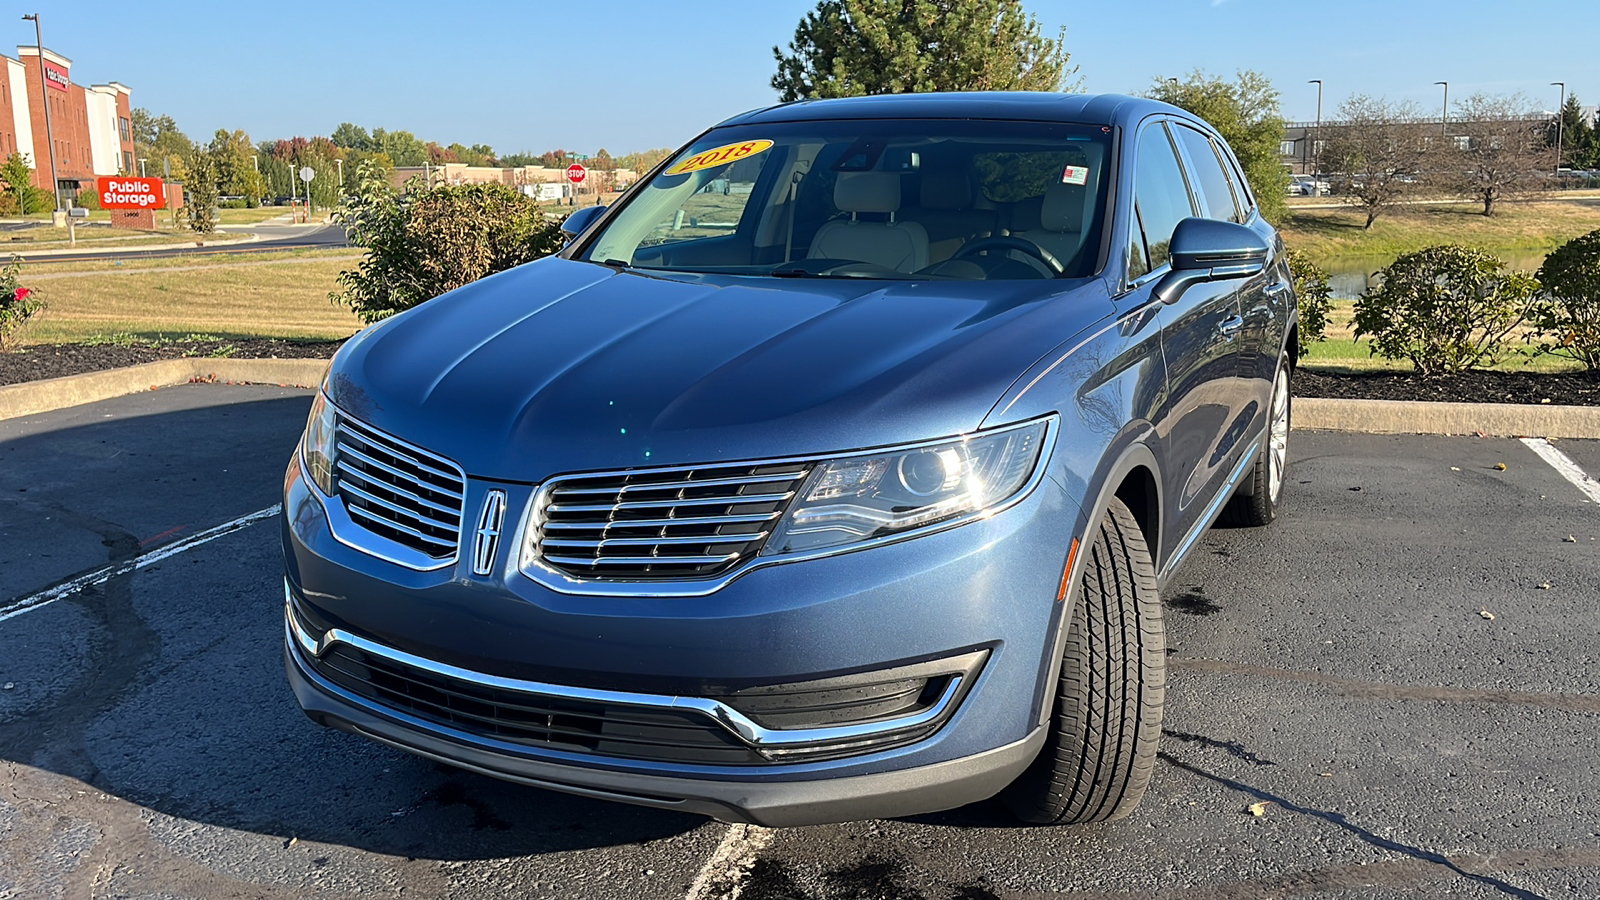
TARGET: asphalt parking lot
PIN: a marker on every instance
(1391, 692)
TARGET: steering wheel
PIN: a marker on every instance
(1021, 245)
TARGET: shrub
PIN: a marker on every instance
(1311, 292)
(433, 240)
(1569, 320)
(17, 303)
(234, 203)
(88, 200)
(1446, 309)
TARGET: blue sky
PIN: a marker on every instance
(627, 75)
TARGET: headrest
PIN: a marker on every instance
(946, 190)
(868, 192)
(1063, 207)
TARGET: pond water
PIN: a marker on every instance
(1348, 276)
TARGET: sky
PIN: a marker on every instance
(626, 75)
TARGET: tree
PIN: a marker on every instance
(18, 176)
(402, 146)
(852, 48)
(1247, 115)
(352, 137)
(158, 141)
(1375, 153)
(434, 239)
(1578, 148)
(1499, 150)
(232, 152)
(200, 190)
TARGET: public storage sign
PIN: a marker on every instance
(131, 193)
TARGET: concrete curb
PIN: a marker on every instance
(1416, 417)
(1365, 416)
(33, 397)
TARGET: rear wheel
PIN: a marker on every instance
(1106, 723)
(1265, 485)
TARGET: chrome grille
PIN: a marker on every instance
(397, 491)
(683, 523)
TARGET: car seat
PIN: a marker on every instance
(902, 246)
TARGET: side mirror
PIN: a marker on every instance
(1208, 250)
(580, 220)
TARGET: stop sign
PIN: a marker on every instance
(576, 173)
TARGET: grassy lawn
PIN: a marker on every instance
(1539, 226)
(47, 237)
(250, 216)
(218, 295)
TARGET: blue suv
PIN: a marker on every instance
(834, 472)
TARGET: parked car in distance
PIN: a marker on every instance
(847, 492)
(1308, 186)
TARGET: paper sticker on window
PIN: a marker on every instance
(1075, 175)
(719, 156)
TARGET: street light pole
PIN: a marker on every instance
(1317, 133)
(1561, 109)
(44, 94)
(340, 164)
(1444, 117)
(142, 161)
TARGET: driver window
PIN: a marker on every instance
(1160, 192)
(713, 209)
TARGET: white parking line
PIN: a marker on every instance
(101, 576)
(722, 876)
(1563, 463)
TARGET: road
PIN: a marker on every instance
(274, 238)
(1400, 676)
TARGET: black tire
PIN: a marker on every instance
(1106, 724)
(1256, 504)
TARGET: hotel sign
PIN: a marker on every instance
(55, 76)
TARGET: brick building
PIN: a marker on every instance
(91, 125)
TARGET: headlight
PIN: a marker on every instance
(859, 498)
(317, 448)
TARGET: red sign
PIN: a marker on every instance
(55, 76)
(576, 173)
(118, 192)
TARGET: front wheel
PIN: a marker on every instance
(1106, 723)
(1257, 503)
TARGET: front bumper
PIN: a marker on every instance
(771, 803)
(989, 585)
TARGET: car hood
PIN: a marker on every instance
(561, 366)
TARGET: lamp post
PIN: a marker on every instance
(44, 94)
(1444, 117)
(1316, 133)
(1560, 115)
(340, 164)
(142, 161)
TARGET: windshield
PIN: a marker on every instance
(895, 199)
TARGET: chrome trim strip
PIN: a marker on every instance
(641, 560)
(758, 737)
(397, 526)
(409, 479)
(728, 500)
(396, 508)
(1210, 515)
(380, 438)
(655, 541)
(676, 485)
(742, 519)
(341, 527)
(563, 583)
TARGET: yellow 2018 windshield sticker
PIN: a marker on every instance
(719, 156)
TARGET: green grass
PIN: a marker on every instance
(215, 295)
(1328, 234)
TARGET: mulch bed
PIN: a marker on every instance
(55, 360)
(1576, 389)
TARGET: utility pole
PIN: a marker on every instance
(44, 94)
(1444, 117)
(1561, 109)
(1311, 144)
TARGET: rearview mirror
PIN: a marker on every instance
(1208, 250)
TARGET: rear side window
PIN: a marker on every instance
(1216, 193)
(1160, 193)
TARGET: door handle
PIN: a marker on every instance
(1229, 327)
(1277, 288)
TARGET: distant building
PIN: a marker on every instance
(527, 179)
(91, 126)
